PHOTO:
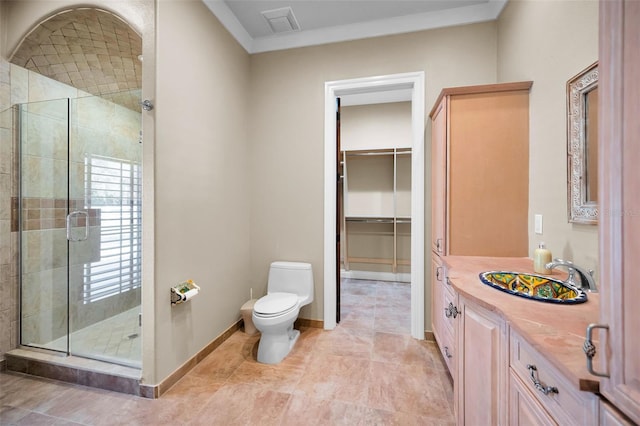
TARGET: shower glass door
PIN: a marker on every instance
(81, 272)
(105, 265)
(44, 189)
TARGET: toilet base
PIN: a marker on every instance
(273, 348)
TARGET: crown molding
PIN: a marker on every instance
(226, 17)
(399, 25)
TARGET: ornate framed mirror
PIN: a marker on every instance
(582, 146)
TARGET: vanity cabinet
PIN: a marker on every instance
(540, 391)
(442, 313)
(480, 164)
(524, 408)
(610, 416)
(481, 381)
(502, 380)
(619, 202)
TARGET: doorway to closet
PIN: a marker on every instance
(382, 236)
(374, 208)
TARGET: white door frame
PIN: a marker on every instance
(335, 89)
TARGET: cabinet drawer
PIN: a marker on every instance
(450, 302)
(566, 404)
(447, 349)
(524, 408)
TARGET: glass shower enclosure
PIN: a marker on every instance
(79, 210)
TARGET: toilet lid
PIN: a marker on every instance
(275, 303)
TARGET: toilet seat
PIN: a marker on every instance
(275, 304)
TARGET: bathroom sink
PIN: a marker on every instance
(535, 287)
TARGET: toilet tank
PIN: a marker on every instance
(292, 277)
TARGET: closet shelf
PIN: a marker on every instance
(377, 206)
(378, 261)
(369, 152)
(363, 219)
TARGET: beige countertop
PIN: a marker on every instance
(556, 331)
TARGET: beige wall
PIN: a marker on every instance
(287, 128)
(377, 126)
(549, 42)
(201, 191)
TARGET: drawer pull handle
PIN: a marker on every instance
(451, 311)
(589, 349)
(448, 282)
(544, 389)
(439, 273)
(439, 245)
(446, 352)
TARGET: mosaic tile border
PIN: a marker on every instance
(49, 213)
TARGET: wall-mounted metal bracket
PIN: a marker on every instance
(146, 105)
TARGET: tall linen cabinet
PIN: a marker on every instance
(480, 200)
(480, 166)
(619, 222)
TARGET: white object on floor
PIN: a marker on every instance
(290, 286)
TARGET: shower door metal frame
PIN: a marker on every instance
(18, 111)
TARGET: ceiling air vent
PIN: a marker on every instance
(281, 20)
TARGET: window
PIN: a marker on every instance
(113, 186)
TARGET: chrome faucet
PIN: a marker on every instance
(585, 276)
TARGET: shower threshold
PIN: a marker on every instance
(78, 370)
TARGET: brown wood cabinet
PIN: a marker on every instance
(480, 170)
(510, 368)
(481, 382)
(524, 409)
(556, 397)
(480, 164)
(619, 198)
(442, 319)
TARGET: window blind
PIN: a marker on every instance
(114, 187)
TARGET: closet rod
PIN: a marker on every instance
(368, 220)
(368, 153)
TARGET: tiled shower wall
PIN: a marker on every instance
(8, 239)
(105, 129)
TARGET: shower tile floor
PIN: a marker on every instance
(368, 371)
(116, 339)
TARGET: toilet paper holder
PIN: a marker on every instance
(183, 292)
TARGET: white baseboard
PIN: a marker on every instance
(403, 277)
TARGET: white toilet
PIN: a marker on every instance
(290, 287)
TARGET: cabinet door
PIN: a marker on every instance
(488, 174)
(619, 230)
(437, 298)
(481, 388)
(609, 416)
(438, 176)
(524, 410)
(442, 329)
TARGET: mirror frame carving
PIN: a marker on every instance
(580, 210)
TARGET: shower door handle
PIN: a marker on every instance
(86, 225)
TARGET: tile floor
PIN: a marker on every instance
(115, 339)
(368, 371)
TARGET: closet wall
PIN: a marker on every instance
(376, 227)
